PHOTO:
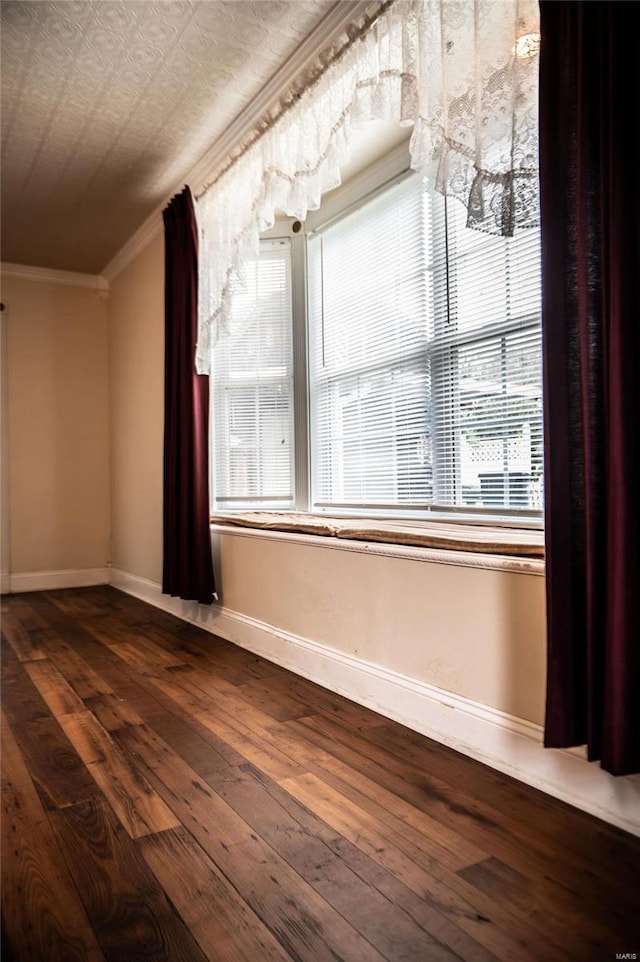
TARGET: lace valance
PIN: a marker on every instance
(463, 73)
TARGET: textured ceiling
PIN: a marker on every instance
(108, 104)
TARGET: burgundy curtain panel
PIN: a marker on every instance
(187, 564)
(589, 188)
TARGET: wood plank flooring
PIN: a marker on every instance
(169, 796)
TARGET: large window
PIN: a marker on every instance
(417, 390)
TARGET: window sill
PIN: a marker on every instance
(483, 546)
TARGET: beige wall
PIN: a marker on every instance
(475, 632)
(136, 364)
(56, 422)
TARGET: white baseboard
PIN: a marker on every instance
(504, 742)
(5, 582)
(49, 580)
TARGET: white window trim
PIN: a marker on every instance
(380, 175)
(517, 564)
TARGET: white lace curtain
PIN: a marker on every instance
(463, 73)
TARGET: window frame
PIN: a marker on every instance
(378, 177)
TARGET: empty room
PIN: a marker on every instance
(320, 536)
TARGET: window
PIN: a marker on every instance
(252, 389)
(417, 389)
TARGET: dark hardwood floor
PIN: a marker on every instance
(169, 796)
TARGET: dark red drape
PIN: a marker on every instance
(187, 565)
(589, 174)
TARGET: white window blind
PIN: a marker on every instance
(424, 361)
(252, 389)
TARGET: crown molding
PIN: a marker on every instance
(136, 243)
(328, 30)
(46, 275)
